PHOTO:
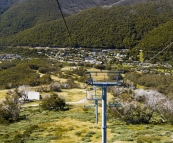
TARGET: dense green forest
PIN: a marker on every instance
(19, 15)
(116, 27)
(27, 14)
(158, 38)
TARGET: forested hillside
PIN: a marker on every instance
(158, 37)
(27, 14)
(19, 15)
(119, 27)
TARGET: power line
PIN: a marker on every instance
(65, 22)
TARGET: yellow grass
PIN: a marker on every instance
(55, 78)
(78, 126)
(2, 94)
(66, 68)
(73, 95)
(40, 74)
(83, 127)
(140, 86)
(99, 76)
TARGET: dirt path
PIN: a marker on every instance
(71, 103)
(78, 102)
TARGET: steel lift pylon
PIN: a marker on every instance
(104, 86)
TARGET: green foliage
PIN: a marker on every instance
(18, 75)
(148, 139)
(101, 67)
(162, 82)
(115, 27)
(78, 133)
(55, 86)
(10, 107)
(27, 14)
(71, 83)
(156, 40)
(21, 72)
(45, 126)
(53, 102)
(43, 70)
(7, 64)
(45, 79)
(90, 134)
(80, 71)
(138, 115)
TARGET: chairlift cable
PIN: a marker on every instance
(151, 58)
(65, 23)
(161, 51)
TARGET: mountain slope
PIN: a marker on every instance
(119, 27)
(71, 6)
(27, 14)
(158, 38)
(18, 15)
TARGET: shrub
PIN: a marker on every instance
(43, 70)
(101, 67)
(55, 86)
(90, 134)
(78, 133)
(10, 108)
(53, 102)
(45, 79)
(72, 83)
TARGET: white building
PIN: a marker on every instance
(32, 95)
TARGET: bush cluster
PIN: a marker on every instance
(53, 102)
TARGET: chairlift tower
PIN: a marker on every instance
(104, 86)
(96, 99)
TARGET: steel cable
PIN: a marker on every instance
(65, 22)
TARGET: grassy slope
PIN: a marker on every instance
(77, 125)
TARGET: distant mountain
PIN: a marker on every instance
(4, 4)
(74, 6)
(71, 6)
